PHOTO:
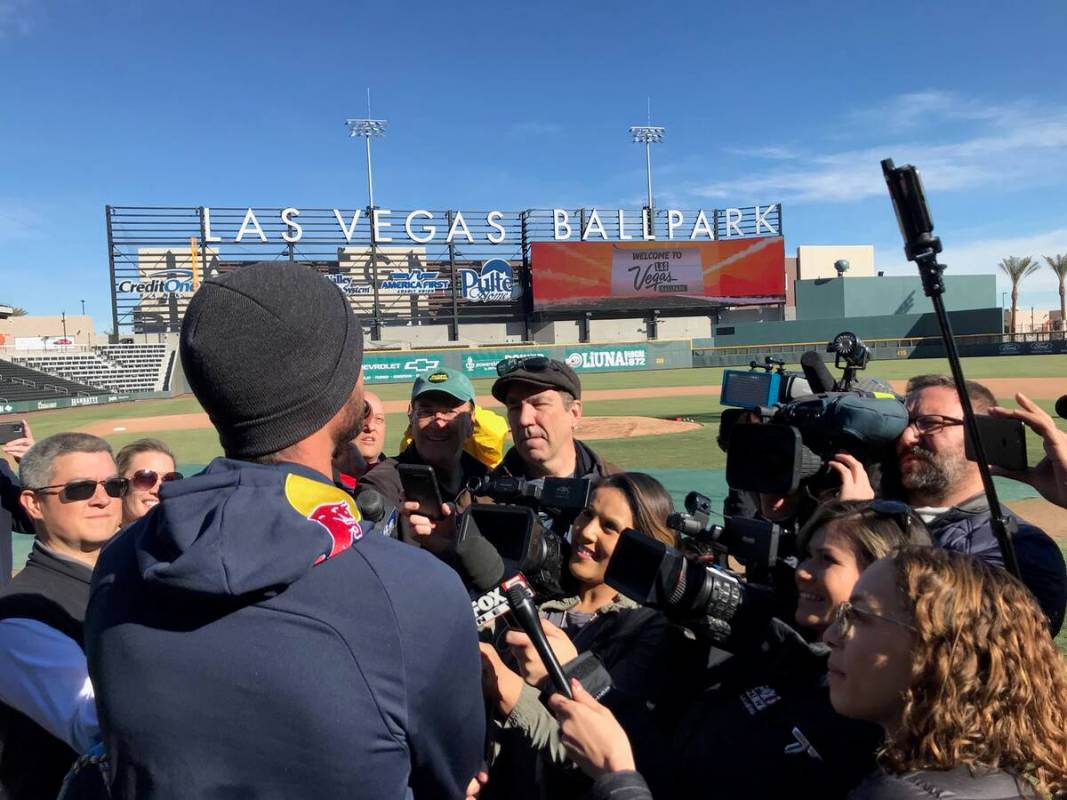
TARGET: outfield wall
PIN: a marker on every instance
(22, 406)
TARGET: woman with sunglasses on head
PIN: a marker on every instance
(147, 464)
(769, 717)
(951, 658)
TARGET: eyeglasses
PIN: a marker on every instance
(930, 424)
(529, 364)
(85, 489)
(846, 614)
(447, 414)
(146, 478)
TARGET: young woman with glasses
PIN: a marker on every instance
(951, 657)
(146, 464)
(770, 716)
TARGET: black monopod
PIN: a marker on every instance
(922, 247)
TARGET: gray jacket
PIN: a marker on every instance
(968, 528)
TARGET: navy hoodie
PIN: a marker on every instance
(248, 639)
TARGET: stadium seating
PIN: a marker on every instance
(22, 383)
(116, 368)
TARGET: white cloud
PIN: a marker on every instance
(1004, 144)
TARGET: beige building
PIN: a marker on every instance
(817, 261)
(47, 330)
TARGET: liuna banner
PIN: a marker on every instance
(657, 274)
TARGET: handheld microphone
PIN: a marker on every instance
(1061, 407)
(371, 505)
(819, 377)
(524, 613)
(478, 562)
(494, 603)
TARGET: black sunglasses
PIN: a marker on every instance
(529, 364)
(146, 478)
(85, 489)
(899, 512)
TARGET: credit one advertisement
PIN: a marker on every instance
(649, 274)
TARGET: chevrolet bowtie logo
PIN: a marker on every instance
(422, 364)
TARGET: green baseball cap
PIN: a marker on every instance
(450, 381)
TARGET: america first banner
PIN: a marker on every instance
(657, 274)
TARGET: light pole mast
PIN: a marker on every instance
(648, 135)
(367, 128)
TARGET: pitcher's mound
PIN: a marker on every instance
(622, 427)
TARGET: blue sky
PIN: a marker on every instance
(526, 106)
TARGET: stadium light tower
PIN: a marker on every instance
(648, 135)
(367, 128)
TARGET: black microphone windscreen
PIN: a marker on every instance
(371, 505)
(819, 377)
(1061, 407)
(479, 563)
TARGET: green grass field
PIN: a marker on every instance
(692, 450)
(689, 460)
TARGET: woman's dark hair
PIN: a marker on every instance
(650, 503)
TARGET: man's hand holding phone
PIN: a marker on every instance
(1049, 477)
(436, 535)
(17, 438)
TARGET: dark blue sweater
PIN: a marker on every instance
(230, 659)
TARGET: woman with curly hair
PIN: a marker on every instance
(952, 657)
(949, 655)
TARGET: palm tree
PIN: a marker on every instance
(1016, 269)
(1058, 264)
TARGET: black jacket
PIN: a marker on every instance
(13, 517)
(250, 637)
(959, 784)
(968, 528)
(54, 591)
(928, 784)
(769, 723)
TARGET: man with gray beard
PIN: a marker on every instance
(946, 490)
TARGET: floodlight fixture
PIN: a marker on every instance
(367, 129)
(648, 135)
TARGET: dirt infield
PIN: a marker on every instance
(592, 427)
(588, 428)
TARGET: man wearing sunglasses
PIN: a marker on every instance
(252, 636)
(543, 397)
(72, 493)
(946, 490)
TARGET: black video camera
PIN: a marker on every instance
(706, 598)
(523, 543)
(792, 441)
(560, 493)
(755, 543)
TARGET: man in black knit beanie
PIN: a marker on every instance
(251, 636)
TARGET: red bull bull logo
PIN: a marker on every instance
(338, 521)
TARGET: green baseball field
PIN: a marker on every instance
(662, 422)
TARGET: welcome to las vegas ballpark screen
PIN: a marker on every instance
(657, 274)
